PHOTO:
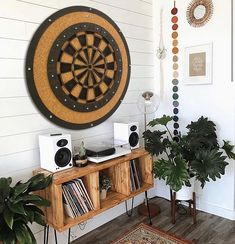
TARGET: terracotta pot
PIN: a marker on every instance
(186, 193)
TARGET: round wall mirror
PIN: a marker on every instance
(199, 12)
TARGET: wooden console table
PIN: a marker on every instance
(118, 170)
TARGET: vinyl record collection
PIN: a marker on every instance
(136, 181)
(76, 199)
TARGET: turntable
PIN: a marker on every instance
(101, 153)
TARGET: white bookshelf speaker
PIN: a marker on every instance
(127, 133)
(55, 152)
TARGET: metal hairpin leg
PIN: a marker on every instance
(147, 201)
(46, 234)
(129, 214)
(69, 236)
(55, 234)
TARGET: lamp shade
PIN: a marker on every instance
(148, 102)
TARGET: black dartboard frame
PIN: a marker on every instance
(78, 67)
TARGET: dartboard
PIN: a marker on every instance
(78, 67)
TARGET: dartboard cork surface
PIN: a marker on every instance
(78, 67)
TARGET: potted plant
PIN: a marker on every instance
(80, 158)
(197, 154)
(105, 184)
(19, 206)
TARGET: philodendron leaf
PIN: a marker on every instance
(208, 165)
(174, 172)
(164, 120)
(8, 217)
(154, 141)
(228, 148)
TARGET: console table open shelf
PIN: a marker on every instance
(118, 170)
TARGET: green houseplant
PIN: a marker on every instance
(195, 154)
(80, 158)
(19, 206)
(105, 184)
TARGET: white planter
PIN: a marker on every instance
(103, 194)
(186, 193)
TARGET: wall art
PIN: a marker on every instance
(198, 64)
(78, 67)
(199, 12)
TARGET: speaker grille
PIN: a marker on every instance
(63, 157)
(133, 139)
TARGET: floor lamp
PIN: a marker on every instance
(148, 103)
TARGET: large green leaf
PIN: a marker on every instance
(164, 120)
(39, 182)
(228, 148)
(32, 236)
(174, 172)
(8, 217)
(38, 218)
(22, 234)
(20, 188)
(208, 165)
(35, 209)
(17, 208)
(8, 236)
(5, 188)
(154, 142)
(202, 135)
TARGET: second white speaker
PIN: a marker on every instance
(127, 133)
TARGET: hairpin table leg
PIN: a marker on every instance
(55, 234)
(147, 202)
(130, 212)
(46, 234)
(69, 236)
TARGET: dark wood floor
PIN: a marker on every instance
(209, 228)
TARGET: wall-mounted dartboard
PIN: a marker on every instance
(78, 67)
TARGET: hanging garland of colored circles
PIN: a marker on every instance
(175, 68)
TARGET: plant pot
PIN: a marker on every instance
(186, 193)
(103, 194)
(78, 162)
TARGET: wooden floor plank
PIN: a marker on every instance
(209, 229)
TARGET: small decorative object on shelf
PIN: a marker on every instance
(19, 206)
(80, 157)
(105, 184)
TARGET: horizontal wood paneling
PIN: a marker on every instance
(20, 120)
(13, 88)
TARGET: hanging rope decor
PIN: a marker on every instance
(175, 67)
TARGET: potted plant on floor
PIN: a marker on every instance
(105, 184)
(197, 154)
(19, 206)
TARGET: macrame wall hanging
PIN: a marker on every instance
(175, 67)
(78, 67)
(161, 55)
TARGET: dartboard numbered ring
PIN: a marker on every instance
(78, 67)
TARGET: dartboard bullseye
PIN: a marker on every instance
(78, 67)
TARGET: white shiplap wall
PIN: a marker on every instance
(21, 122)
